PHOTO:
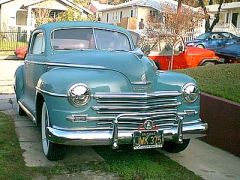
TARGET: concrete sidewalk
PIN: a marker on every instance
(208, 162)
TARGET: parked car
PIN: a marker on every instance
(184, 57)
(21, 52)
(85, 83)
(230, 54)
(214, 40)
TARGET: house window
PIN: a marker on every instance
(120, 16)
(131, 13)
(153, 13)
(107, 17)
(21, 18)
(38, 44)
(227, 18)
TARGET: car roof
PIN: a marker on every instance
(67, 24)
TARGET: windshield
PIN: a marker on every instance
(84, 38)
(203, 36)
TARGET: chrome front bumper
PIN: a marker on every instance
(115, 137)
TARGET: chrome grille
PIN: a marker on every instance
(161, 108)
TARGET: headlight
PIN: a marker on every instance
(78, 95)
(190, 92)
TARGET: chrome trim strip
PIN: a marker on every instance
(105, 107)
(141, 82)
(51, 93)
(188, 112)
(105, 137)
(65, 65)
(137, 95)
(135, 102)
(27, 111)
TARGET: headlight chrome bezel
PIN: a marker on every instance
(81, 96)
(190, 92)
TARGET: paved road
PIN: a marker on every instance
(204, 160)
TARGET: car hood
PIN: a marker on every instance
(200, 52)
(134, 68)
(194, 41)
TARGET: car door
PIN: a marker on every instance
(213, 42)
(34, 68)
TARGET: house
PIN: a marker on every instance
(19, 14)
(229, 17)
(97, 6)
(129, 14)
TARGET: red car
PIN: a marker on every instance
(21, 52)
(183, 58)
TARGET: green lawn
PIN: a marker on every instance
(143, 164)
(129, 164)
(11, 45)
(220, 80)
(11, 161)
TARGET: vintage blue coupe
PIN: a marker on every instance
(85, 83)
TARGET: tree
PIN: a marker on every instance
(42, 16)
(177, 22)
(72, 14)
(209, 27)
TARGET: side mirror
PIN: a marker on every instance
(146, 49)
(180, 48)
(138, 52)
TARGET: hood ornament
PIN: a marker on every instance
(144, 78)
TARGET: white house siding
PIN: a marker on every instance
(143, 13)
(114, 15)
(138, 12)
(8, 14)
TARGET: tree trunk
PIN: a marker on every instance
(208, 27)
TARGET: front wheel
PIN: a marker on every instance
(173, 147)
(200, 46)
(208, 64)
(51, 150)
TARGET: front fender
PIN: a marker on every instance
(172, 81)
(59, 80)
(19, 82)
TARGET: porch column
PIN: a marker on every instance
(29, 16)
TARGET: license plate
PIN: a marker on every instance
(147, 139)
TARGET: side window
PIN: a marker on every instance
(38, 44)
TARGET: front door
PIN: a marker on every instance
(34, 68)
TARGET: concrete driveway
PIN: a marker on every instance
(204, 160)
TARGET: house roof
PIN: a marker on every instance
(68, 2)
(156, 4)
(4, 1)
(100, 6)
(225, 6)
